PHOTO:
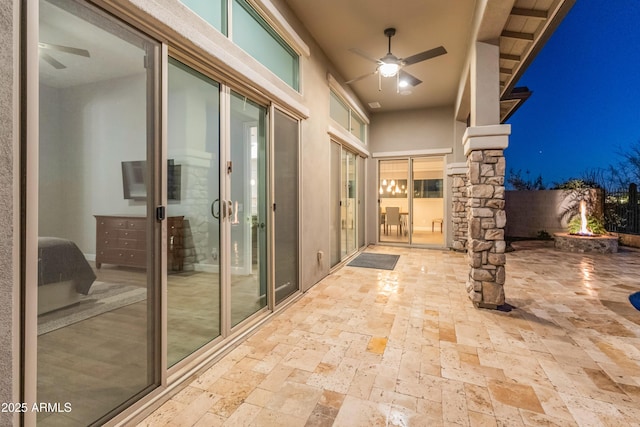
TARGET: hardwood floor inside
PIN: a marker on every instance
(98, 363)
(419, 237)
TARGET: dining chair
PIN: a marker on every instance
(393, 218)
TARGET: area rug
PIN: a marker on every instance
(635, 300)
(102, 297)
(371, 260)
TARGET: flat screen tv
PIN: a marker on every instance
(134, 180)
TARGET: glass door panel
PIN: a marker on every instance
(96, 293)
(248, 183)
(360, 207)
(393, 192)
(349, 219)
(285, 174)
(193, 210)
(427, 201)
(336, 204)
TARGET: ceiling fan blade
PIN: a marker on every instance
(54, 63)
(363, 55)
(364, 76)
(66, 49)
(412, 80)
(423, 56)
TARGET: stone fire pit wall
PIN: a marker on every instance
(486, 219)
(603, 244)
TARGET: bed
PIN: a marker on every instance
(64, 274)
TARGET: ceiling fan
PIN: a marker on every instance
(67, 49)
(392, 66)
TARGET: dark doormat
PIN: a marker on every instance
(635, 300)
(380, 261)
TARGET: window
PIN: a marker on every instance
(358, 127)
(253, 34)
(347, 117)
(339, 111)
(212, 11)
(250, 31)
(427, 188)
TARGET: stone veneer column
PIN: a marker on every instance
(486, 216)
(459, 176)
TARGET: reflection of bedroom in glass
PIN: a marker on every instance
(134, 178)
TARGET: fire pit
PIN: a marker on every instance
(585, 241)
(603, 243)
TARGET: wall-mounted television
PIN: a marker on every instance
(134, 180)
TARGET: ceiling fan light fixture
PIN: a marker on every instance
(403, 84)
(388, 69)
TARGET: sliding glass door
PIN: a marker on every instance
(393, 189)
(98, 238)
(411, 201)
(247, 207)
(285, 208)
(345, 204)
(113, 215)
(193, 210)
(213, 280)
(427, 201)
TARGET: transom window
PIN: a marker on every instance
(346, 117)
(250, 31)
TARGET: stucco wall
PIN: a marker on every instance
(7, 136)
(529, 212)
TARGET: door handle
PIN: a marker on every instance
(213, 209)
(230, 208)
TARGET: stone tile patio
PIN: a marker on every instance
(368, 347)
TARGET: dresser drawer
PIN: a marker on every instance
(111, 223)
(129, 234)
(122, 240)
(128, 257)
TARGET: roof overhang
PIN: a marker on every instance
(524, 35)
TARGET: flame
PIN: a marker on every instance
(583, 219)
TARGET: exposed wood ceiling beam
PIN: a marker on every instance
(530, 13)
(516, 35)
(510, 57)
(506, 71)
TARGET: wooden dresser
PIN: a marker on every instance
(122, 240)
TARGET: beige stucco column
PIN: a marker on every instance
(9, 303)
(484, 142)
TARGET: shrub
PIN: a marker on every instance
(594, 224)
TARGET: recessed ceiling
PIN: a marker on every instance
(339, 25)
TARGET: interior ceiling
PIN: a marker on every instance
(339, 25)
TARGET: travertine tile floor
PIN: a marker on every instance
(368, 347)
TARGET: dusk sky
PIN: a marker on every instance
(585, 106)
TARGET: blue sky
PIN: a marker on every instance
(585, 106)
